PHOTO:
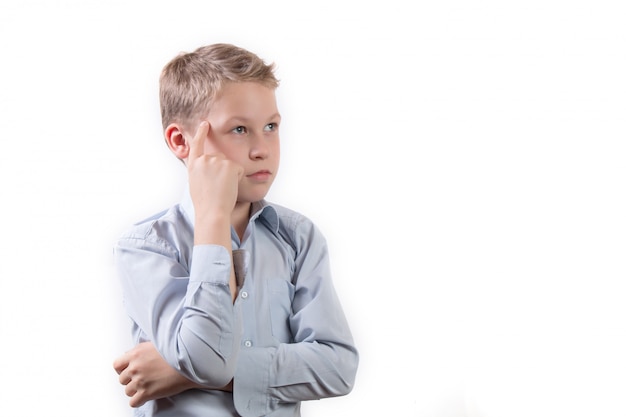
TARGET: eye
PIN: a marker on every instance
(270, 127)
(240, 130)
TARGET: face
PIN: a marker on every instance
(244, 123)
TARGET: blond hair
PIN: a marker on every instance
(190, 81)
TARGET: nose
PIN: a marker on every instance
(258, 148)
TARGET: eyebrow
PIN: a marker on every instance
(246, 120)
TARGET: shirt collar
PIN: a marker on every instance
(262, 210)
(267, 213)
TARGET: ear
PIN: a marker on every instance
(176, 141)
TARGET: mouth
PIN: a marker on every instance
(262, 175)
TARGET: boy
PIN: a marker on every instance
(231, 300)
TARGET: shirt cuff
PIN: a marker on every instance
(211, 264)
(251, 382)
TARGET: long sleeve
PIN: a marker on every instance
(183, 306)
(317, 357)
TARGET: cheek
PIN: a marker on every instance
(276, 150)
(235, 150)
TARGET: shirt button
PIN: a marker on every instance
(247, 343)
(244, 294)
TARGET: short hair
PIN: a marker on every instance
(190, 82)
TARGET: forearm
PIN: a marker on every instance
(293, 373)
(215, 229)
(147, 376)
(184, 384)
(207, 341)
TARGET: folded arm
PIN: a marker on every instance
(185, 314)
(320, 360)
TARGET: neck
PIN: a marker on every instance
(240, 217)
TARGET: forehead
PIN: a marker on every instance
(249, 100)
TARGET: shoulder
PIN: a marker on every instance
(297, 228)
(167, 232)
(291, 220)
(162, 224)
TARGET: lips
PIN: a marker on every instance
(261, 175)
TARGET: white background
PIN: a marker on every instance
(465, 159)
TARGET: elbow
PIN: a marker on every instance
(348, 373)
(209, 365)
(344, 370)
(214, 374)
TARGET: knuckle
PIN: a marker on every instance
(132, 370)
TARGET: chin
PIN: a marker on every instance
(253, 194)
(251, 197)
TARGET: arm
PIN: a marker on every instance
(184, 322)
(214, 185)
(147, 376)
(185, 313)
(322, 359)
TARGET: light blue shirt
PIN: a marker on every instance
(284, 340)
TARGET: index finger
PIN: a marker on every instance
(196, 144)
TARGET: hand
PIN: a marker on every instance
(213, 179)
(214, 186)
(147, 376)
